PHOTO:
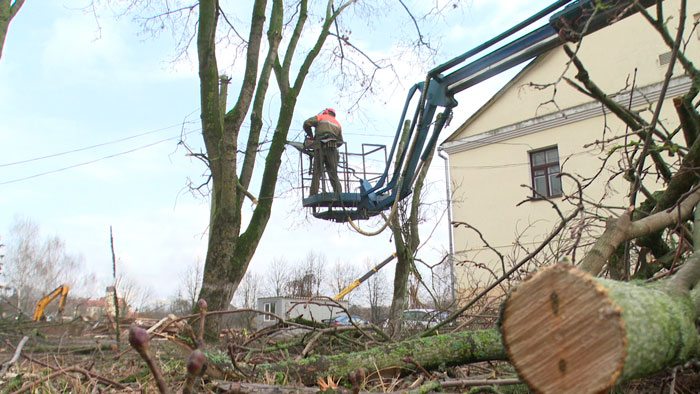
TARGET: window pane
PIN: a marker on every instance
(555, 184)
(540, 185)
(538, 173)
(554, 180)
(538, 158)
(552, 156)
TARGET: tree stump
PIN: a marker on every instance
(567, 332)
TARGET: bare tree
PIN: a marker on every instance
(185, 300)
(283, 43)
(191, 283)
(343, 274)
(250, 290)
(34, 266)
(132, 294)
(277, 276)
(405, 229)
(376, 291)
(307, 278)
(246, 297)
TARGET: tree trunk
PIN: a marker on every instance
(8, 10)
(231, 247)
(404, 255)
(220, 274)
(567, 332)
(404, 258)
(430, 353)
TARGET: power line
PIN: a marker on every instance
(96, 160)
(87, 147)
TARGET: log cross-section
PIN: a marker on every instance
(567, 332)
(563, 333)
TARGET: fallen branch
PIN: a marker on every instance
(246, 388)
(623, 229)
(66, 370)
(85, 372)
(432, 353)
(436, 385)
(14, 358)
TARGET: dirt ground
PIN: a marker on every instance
(82, 357)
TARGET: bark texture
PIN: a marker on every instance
(567, 332)
(404, 226)
(404, 255)
(8, 10)
(431, 353)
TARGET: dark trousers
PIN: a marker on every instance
(325, 155)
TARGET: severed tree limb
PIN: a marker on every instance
(431, 353)
(252, 388)
(690, 123)
(435, 385)
(568, 332)
(18, 351)
(688, 275)
(623, 229)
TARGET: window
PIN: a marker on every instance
(269, 307)
(544, 166)
(665, 58)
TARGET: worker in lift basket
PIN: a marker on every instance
(329, 136)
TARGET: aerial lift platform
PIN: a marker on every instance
(564, 21)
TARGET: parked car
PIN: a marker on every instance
(344, 320)
(423, 318)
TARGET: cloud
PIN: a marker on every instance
(108, 55)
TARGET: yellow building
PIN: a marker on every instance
(527, 133)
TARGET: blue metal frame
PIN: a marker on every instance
(565, 25)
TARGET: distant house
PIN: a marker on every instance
(124, 308)
(94, 309)
(293, 307)
(522, 137)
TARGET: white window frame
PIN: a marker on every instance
(269, 307)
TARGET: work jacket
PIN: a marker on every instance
(324, 124)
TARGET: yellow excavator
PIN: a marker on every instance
(60, 291)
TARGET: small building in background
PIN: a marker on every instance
(316, 309)
(124, 308)
(95, 309)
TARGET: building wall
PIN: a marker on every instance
(624, 53)
(489, 159)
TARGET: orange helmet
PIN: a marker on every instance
(329, 111)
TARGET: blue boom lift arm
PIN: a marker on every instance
(569, 22)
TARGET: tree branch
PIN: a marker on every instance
(623, 229)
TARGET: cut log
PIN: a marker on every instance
(567, 332)
(430, 353)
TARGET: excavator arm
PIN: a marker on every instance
(60, 291)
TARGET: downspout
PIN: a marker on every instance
(448, 196)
